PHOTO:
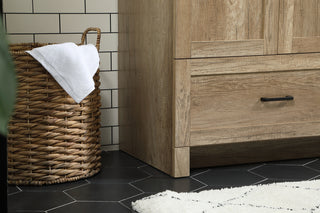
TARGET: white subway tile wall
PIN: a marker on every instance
(57, 21)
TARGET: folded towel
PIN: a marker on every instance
(72, 66)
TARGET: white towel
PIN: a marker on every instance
(72, 66)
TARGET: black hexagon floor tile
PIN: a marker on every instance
(314, 165)
(118, 175)
(158, 184)
(286, 172)
(119, 159)
(12, 189)
(103, 192)
(226, 177)
(19, 211)
(37, 201)
(197, 171)
(94, 207)
(299, 162)
(123, 178)
(316, 178)
(128, 202)
(153, 172)
(54, 187)
(269, 181)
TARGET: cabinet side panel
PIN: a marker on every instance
(145, 80)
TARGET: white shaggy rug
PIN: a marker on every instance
(297, 197)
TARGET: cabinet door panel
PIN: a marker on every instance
(216, 28)
(299, 26)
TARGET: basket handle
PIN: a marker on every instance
(84, 35)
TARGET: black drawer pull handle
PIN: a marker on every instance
(286, 98)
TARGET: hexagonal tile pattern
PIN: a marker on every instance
(95, 207)
(37, 201)
(54, 187)
(128, 202)
(119, 159)
(118, 175)
(314, 165)
(286, 172)
(158, 184)
(124, 179)
(298, 162)
(228, 177)
(12, 190)
(103, 192)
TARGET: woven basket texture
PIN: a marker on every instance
(51, 138)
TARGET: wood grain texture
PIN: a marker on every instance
(181, 167)
(255, 151)
(241, 65)
(217, 28)
(182, 28)
(227, 108)
(299, 26)
(145, 80)
(227, 48)
(271, 26)
(285, 26)
(214, 20)
(192, 72)
(181, 104)
(306, 18)
(304, 45)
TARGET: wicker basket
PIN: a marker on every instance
(51, 138)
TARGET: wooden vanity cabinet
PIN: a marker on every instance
(217, 82)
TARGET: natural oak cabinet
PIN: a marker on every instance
(299, 26)
(217, 82)
(213, 28)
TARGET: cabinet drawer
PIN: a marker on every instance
(228, 108)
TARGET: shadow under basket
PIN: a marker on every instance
(51, 138)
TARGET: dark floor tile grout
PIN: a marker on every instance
(136, 187)
(203, 179)
(199, 188)
(69, 196)
(256, 167)
(316, 170)
(261, 181)
(254, 173)
(13, 193)
(127, 207)
(85, 184)
(128, 198)
(204, 184)
(96, 201)
(315, 160)
(57, 207)
(200, 173)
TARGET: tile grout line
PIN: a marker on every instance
(136, 187)
(315, 160)
(254, 173)
(32, 2)
(59, 23)
(200, 173)
(110, 22)
(124, 205)
(316, 170)
(205, 185)
(256, 167)
(66, 204)
(128, 198)
(85, 184)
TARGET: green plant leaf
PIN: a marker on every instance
(7, 83)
